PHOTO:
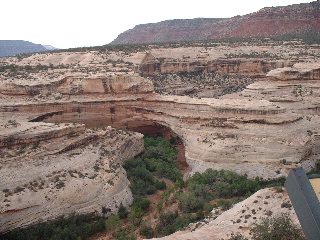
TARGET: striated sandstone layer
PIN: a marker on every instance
(207, 64)
(70, 85)
(299, 71)
(250, 132)
(78, 172)
(247, 135)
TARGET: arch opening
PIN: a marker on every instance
(140, 125)
(155, 129)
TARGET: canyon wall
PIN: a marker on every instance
(227, 66)
(116, 84)
(79, 172)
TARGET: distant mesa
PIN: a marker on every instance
(14, 47)
(297, 19)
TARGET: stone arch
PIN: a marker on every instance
(121, 117)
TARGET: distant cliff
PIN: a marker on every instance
(13, 47)
(268, 22)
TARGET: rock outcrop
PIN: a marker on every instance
(206, 65)
(299, 71)
(240, 218)
(75, 172)
(70, 85)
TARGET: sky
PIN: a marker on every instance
(83, 23)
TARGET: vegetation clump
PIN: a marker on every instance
(147, 173)
(70, 227)
(280, 227)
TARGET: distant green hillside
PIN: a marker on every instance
(13, 47)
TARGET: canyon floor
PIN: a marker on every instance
(68, 120)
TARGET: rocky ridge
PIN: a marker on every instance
(268, 22)
(13, 47)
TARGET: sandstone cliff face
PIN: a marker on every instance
(230, 134)
(115, 84)
(75, 173)
(299, 71)
(268, 22)
(227, 66)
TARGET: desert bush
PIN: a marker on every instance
(171, 222)
(147, 231)
(221, 184)
(190, 203)
(113, 223)
(280, 227)
(141, 203)
(122, 212)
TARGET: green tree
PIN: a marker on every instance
(122, 212)
(135, 216)
(189, 203)
(113, 223)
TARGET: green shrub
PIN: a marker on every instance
(135, 216)
(122, 212)
(159, 160)
(171, 222)
(280, 227)
(147, 231)
(160, 185)
(141, 203)
(224, 184)
(189, 203)
(71, 227)
(225, 205)
(113, 223)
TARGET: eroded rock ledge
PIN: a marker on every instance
(76, 172)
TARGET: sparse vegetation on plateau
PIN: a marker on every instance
(279, 227)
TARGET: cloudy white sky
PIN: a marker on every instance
(78, 23)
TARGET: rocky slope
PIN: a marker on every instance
(241, 218)
(268, 22)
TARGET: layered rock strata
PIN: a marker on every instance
(70, 85)
(228, 133)
(78, 172)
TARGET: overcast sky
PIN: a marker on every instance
(78, 23)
